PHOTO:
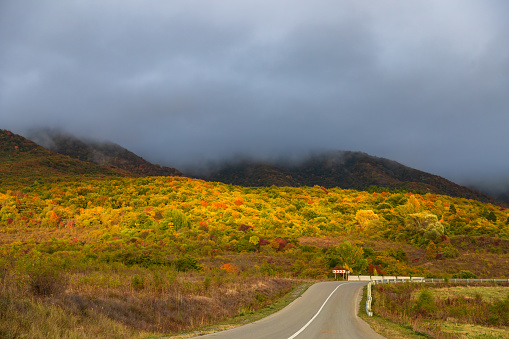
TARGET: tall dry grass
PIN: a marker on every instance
(418, 307)
(122, 302)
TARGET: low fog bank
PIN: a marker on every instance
(288, 159)
(494, 186)
(202, 166)
(53, 137)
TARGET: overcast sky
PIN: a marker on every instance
(425, 83)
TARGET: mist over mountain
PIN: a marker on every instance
(345, 169)
(497, 188)
(98, 152)
(25, 163)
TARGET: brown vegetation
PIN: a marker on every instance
(37, 299)
(428, 309)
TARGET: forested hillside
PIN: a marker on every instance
(154, 220)
(351, 170)
(100, 153)
(22, 162)
(86, 245)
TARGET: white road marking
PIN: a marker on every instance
(316, 315)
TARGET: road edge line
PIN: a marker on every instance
(317, 313)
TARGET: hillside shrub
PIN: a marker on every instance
(174, 219)
(499, 313)
(464, 275)
(244, 245)
(398, 254)
(270, 269)
(425, 304)
(313, 273)
(187, 263)
(138, 282)
(47, 281)
(450, 252)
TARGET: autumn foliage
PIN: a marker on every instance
(74, 237)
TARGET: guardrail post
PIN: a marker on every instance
(369, 300)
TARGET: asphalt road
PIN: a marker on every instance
(325, 310)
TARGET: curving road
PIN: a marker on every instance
(325, 310)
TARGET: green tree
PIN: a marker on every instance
(464, 275)
(452, 209)
(492, 217)
(431, 251)
(425, 304)
(425, 223)
(187, 263)
(176, 219)
(346, 254)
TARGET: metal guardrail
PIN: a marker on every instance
(369, 297)
(369, 300)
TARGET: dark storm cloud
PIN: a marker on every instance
(184, 82)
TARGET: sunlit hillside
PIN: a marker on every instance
(165, 254)
(153, 221)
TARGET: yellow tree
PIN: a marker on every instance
(366, 218)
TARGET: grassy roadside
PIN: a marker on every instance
(487, 293)
(386, 327)
(449, 327)
(113, 301)
(249, 316)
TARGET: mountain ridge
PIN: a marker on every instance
(100, 153)
(345, 169)
(23, 162)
